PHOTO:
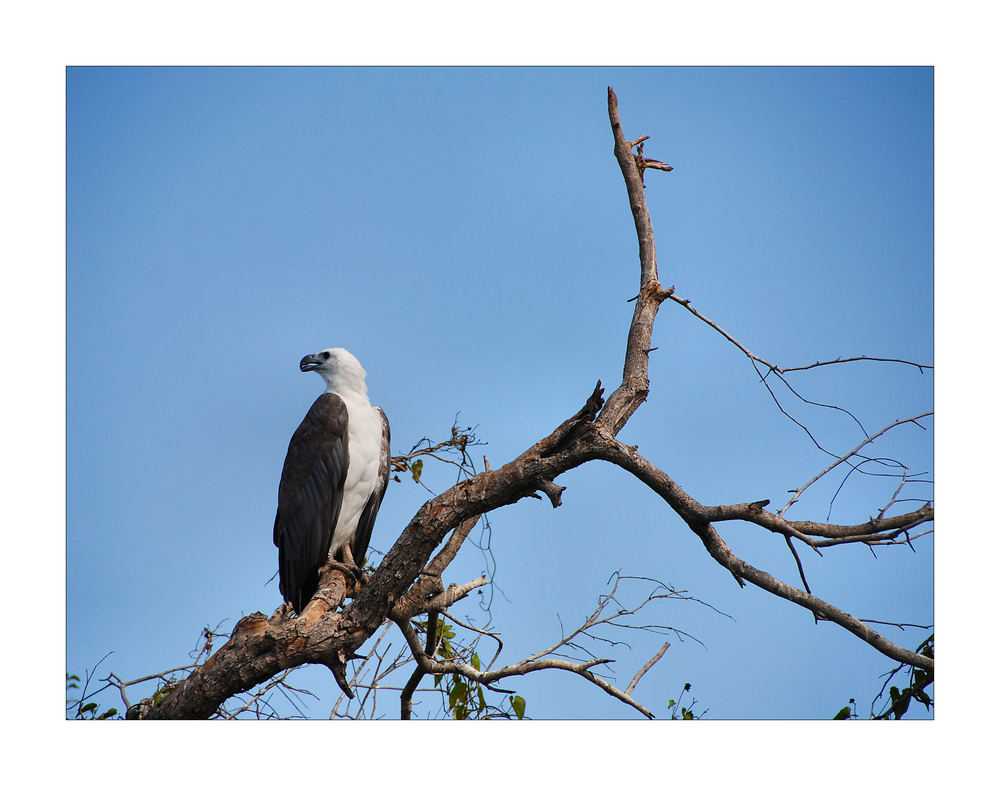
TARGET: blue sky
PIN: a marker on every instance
(465, 232)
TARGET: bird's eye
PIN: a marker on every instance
(325, 355)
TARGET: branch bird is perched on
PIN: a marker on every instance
(335, 475)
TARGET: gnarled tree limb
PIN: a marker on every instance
(408, 581)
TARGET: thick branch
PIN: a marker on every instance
(261, 648)
(408, 579)
(258, 649)
(698, 518)
(635, 382)
(429, 583)
(775, 523)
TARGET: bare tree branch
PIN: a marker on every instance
(779, 372)
(603, 615)
(409, 579)
(649, 664)
(699, 519)
(635, 382)
(846, 456)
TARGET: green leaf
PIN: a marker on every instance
(107, 714)
(476, 664)
(457, 694)
(161, 693)
(687, 714)
(517, 702)
(844, 714)
(416, 468)
(89, 707)
(671, 703)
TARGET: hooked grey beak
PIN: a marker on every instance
(310, 363)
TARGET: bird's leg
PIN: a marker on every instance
(348, 556)
(345, 565)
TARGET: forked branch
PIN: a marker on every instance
(409, 579)
(571, 653)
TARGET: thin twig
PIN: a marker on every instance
(649, 664)
(846, 456)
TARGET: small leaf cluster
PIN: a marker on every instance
(80, 708)
(848, 712)
(920, 680)
(679, 712)
(900, 699)
(463, 698)
(454, 451)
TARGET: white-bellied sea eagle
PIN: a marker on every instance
(335, 475)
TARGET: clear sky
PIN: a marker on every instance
(465, 233)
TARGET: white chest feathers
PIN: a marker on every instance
(364, 447)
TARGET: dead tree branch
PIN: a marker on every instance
(648, 665)
(409, 578)
(846, 456)
(609, 613)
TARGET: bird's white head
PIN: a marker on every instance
(341, 370)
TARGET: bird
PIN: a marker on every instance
(333, 480)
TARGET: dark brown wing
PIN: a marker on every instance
(363, 534)
(309, 497)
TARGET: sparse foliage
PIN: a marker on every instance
(678, 711)
(899, 700)
(79, 699)
(406, 591)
